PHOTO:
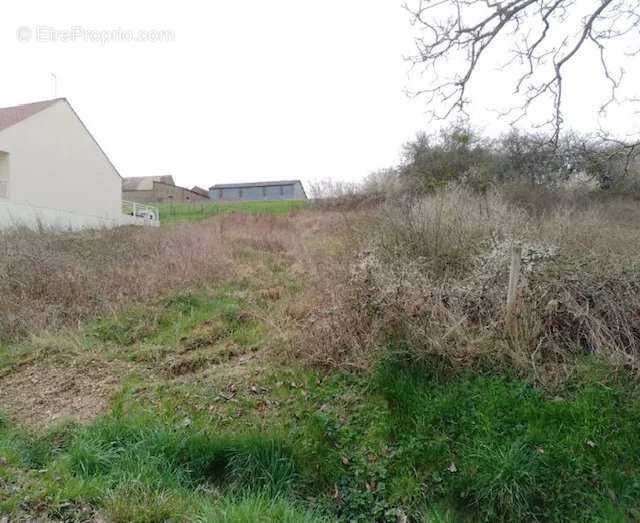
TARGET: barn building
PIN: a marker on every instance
(158, 189)
(200, 191)
(277, 190)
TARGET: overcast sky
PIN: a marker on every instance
(236, 91)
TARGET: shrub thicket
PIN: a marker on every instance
(461, 154)
(433, 271)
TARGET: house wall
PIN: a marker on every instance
(4, 174)
(55, 164)
(257, 192)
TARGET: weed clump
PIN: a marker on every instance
(434, 272)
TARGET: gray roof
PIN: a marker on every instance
(145, 183)
(254, 184)
(200, 191)
(12, 115)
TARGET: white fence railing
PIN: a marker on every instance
(140, 210)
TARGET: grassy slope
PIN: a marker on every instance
(209, 427)
(287, 443)
(187, 212)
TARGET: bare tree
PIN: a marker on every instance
(542, 37)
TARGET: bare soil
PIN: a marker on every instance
(74, 387)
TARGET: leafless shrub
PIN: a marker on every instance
(383, 182)
(331, 189)
(434, 274)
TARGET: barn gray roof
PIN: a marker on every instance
(254, 184)
(145, 183)
(12, 115)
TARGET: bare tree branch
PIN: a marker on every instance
(544, 35)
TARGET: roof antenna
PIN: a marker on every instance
(54, 77)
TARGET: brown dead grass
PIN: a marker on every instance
(54, 280)
(49, 283)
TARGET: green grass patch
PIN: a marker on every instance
(189, 212)
(163, 322)
(12, 353)
(167, 456)
(188, 322)
(259, 508)
(139, 466)
(491, 448)
(412, 440)
(501, 450)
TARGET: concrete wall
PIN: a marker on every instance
(162, 193)
(15, 215)
(55, 165)
(259, 192)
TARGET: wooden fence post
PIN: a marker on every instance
(512, 290)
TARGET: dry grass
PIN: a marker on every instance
(54, 280)
(430, 274)
(433, 274)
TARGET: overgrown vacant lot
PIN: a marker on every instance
(325, 366)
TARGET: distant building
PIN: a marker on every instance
(200, 191)
(158, 189)
(278, 190)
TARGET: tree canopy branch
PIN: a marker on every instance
(546, 35)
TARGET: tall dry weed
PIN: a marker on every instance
(50, 280)
(433, 274)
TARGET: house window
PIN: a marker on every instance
(4, 174)
(282, 190)
(264, 192)
(220, 194)
(240, 192)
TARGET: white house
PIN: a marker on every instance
(54, 174)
